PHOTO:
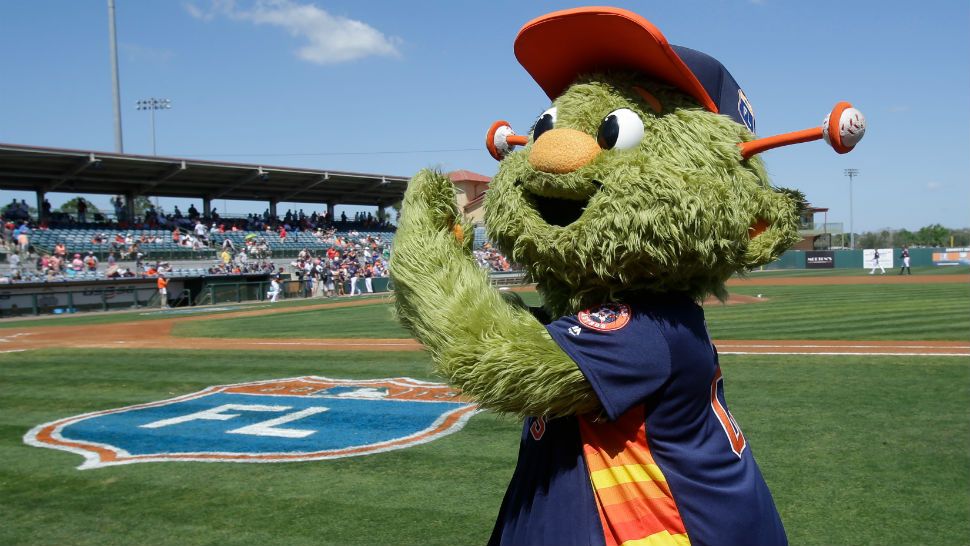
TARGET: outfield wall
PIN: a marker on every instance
(20, 299)
(854, 259)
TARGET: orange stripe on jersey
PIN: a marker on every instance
(626, 491)
(632, 496)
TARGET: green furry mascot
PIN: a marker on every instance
(633, 198)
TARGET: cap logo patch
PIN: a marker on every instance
(606, 317)
(745, 111)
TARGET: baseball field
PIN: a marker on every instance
(851, 389)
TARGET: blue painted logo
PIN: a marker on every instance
(297, 419)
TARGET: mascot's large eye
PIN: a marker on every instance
(622, 130)
(546, 121)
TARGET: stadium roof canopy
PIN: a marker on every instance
(29, 168)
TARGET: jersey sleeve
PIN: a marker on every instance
(623, 365)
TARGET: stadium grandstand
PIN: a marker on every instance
(63, 261)
(86, 250)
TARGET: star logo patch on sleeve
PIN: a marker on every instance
(606, 317)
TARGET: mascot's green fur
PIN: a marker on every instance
(628, 439)
(672, 215)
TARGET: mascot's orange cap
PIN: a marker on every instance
(558, 46)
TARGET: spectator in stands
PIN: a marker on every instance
(23, 239)
(380, 270)
(43, 264)
(82, 210)
(193, 212)
(163, 290)
(7, 235)
(282, 234)
(91, 262)
(200, 231)
(138, 256)
(14, 260)
(341, 280)
(77, 264)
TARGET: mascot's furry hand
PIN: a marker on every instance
(491, 348)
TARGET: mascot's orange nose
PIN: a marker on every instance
(562, 151)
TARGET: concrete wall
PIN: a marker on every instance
(847, 259)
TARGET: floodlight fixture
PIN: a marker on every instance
(153, 104)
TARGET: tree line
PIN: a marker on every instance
(934, 235)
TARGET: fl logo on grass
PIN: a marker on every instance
(297, 419)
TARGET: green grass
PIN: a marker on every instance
(860, 450)
(366, 321)
(871, 312)
(401, 497)
(857, 450)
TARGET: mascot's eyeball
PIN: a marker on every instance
(546, 121)
(621, 130)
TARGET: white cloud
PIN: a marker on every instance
(328, 38)
(933, 186)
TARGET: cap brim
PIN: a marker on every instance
(557, 47)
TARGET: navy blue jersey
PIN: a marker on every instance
(667, 463)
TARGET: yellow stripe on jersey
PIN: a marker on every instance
(627, 473)
(663, 538)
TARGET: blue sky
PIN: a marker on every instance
(391, 87)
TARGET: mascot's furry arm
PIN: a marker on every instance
(492, 349)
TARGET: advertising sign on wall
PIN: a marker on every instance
(952, 256)
(885, 258)
(820, 259)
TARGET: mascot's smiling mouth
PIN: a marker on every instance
(559, 211)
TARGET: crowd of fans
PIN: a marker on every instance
(348, 258)
(491, 259)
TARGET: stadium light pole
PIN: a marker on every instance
(115, 85)
(851, 173)
(154, 104)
